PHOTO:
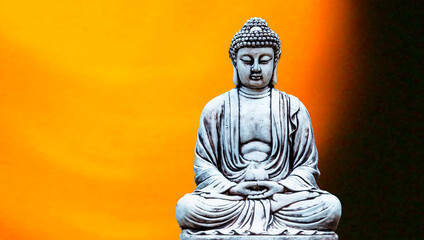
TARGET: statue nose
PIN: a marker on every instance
(256, 68)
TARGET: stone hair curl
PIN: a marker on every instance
(255, 33)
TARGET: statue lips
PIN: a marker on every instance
(256, 77)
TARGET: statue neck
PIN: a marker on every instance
(254, 93)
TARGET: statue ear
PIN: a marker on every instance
(274, 74)
(235, 76)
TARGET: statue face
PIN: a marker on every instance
(255, 66)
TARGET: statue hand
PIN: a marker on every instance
(270, 187)
(249, 188)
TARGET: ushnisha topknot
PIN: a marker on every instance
(255, 33)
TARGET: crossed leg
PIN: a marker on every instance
(306, 210)
(301, 210)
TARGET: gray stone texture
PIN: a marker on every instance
(256, 163)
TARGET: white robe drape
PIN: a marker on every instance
(219, 166)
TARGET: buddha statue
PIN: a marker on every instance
(255, 157)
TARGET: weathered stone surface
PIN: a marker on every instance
(185, 236)
(256, 163)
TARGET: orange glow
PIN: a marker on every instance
(100, 103)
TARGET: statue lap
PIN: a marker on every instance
(321, 213)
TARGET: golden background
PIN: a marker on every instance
(100, 103)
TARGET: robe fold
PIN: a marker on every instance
(219, 166)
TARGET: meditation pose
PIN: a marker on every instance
(255, 157)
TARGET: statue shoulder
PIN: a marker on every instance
(294, 103)
(216, 105)
(299, 109)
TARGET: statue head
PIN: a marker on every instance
(255, 52)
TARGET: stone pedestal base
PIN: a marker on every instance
(330, 236)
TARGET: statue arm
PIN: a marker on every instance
(208, 178)
(304, 155)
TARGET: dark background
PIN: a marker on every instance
(377, 162)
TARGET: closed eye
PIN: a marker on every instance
(247, 60)
(265, 59)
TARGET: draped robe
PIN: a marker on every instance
(219, 166)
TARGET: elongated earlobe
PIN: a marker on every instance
(235, 76)
(274, 74)
(274, 77)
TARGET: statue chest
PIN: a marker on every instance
(255, 120)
